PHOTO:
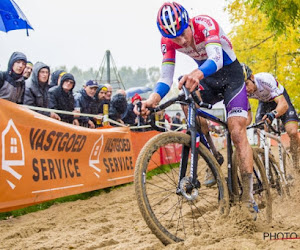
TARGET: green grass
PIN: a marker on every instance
(162, 169)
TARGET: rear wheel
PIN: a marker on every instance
(172, 215)
(277, 179)
(261, 189)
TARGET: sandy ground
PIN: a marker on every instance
(113, 221)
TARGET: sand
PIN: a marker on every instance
(113, 221)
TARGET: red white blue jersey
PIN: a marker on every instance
(267, 87)
(213, 51)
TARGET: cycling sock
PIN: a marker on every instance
(247, 182)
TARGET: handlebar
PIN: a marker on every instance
(261, 125)
(183, 98)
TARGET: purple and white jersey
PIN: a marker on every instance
(267, 87)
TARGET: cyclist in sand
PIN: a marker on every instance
(217, 77)
(274, 102)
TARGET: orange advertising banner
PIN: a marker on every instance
(43, 159)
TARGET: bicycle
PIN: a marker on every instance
(275, 171)
(171, 196)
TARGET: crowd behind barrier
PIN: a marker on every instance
(35, 85)
(55, 150)
(43, 159)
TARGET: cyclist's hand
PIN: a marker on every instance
(269, 117)
(191, 80)
(151, 102)
(143, 108)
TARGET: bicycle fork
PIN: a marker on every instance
(188, 186)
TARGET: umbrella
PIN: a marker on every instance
(11, 17)
(139, 90)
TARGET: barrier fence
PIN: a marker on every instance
(44, 159)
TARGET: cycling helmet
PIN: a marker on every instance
(246, 71)
(172, 20)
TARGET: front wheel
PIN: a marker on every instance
(171, 215)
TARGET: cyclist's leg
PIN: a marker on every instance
(237, 128)
(237, 106)
(292, 130)
(290, 121)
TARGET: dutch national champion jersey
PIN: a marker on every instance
(267, 87)
(214, 50)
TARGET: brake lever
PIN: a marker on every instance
(139, 108)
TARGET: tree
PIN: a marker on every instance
(281, 14)
(260, 49)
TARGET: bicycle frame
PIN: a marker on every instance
(194, 112)
(264, 143)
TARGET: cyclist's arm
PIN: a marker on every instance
(282, 105)
(213, 48)
(214, 62)
(276, 90)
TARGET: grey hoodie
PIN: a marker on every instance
(12, 85)
(36, 94)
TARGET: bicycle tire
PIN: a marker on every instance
(276, 176)
(261, 188)
(159, 208)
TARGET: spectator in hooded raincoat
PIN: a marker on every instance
(100, 98)
(56, 77)
(36, 89)
(12, 83)
(61, 98)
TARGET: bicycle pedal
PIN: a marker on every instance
(220, 159)
(198, 184)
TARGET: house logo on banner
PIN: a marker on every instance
(95, 156)
(12, 151)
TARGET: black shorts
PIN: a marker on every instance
(266, 107)
(227, 84)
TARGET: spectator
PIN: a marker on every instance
(12, 84)
(28, 70)
(109, 92)
(162, 117)
(118, 106)
(56, 77)
(129, 116)
(61, 98)
(36, 89)
(107, 98)
(100, 100)
(121, 91)
(176, 120)
(85, 101)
